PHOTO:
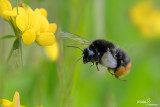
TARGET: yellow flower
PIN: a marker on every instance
(28, 23)
(146, 18)
(28, 20)
(52, 51)
(5, 5)
(6, 10)
(35, 26)
(15, 103)
(45, 37)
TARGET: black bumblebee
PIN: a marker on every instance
(102, 52)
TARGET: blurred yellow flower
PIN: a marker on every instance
(5, 5)
(52, 51)
(40, 106)
(147, 18)
(15, 103)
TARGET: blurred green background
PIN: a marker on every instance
(41, 82)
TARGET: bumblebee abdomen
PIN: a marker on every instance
(122, 71)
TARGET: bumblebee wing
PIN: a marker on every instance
(74, 40)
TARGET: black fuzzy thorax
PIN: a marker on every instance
(97, 48)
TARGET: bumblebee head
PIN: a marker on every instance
(123, 63)
(86, 58)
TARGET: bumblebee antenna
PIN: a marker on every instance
(76, 47)
(79, 59)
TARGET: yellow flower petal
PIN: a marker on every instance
(9, 13)
(52, 27)
(44, 25)
(5, 5)
(20, 10)
(28, 20)
(5, 102)
(45, 39)
(52, 51)
(16, 100)
(21, 22)
(14, 11)
(28, 37)
(41, 11)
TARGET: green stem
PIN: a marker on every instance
(9, 56)
(16, 45)
(17, 6)
(11, 51)
(19, 37)
(12, 25)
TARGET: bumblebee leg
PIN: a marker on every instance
(92, 64)
(109, 70)
(120, 79)
(97, 66)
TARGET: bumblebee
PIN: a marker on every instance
(103, 52)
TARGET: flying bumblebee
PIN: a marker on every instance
(102, 52)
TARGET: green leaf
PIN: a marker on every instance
(15, 44)
(14, 47)
(9, 56)
(7, 36)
